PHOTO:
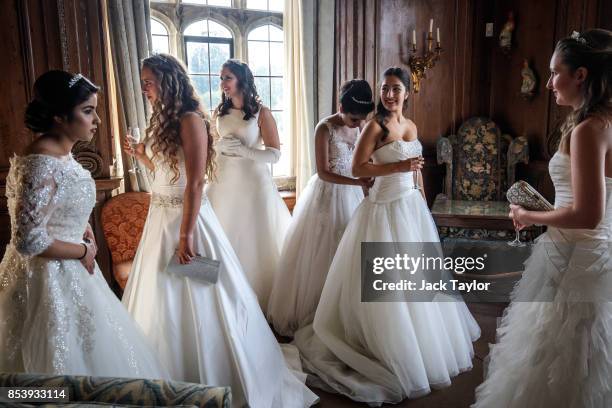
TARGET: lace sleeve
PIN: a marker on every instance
(34, 203)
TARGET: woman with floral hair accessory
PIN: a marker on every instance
(554, 343)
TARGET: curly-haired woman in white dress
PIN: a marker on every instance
(209, 333)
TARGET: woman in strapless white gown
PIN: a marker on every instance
(57, 314)
(554, 345)
(244, 196)
(213, 334)
(385, 351)
(321, 213)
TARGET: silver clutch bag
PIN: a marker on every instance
(200, 268)
(521, 193)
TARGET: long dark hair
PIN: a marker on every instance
(381, 112)
(356, 97)
(177, 96)
(592, 50)
(246, 84)
(56, 94)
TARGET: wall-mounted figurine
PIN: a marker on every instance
(529, 82)
(505, 37)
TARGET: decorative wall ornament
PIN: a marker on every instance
(529, 81)
(418, 65)
(505, 37)
(85, 154)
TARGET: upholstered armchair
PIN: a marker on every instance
(123, 218)
(480, 166)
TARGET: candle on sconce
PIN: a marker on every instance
(414, 38)
(431, 25)
(438, 35)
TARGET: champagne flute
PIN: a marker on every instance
(133, 138)
(517, 240)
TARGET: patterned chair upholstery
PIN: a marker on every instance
(94, 391)
(123, 218)
(480, 166)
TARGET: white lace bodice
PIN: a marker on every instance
(340, 153)
(48, 198)
(560, 171)
(245, 130)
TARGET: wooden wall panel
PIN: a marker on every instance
(473, 77)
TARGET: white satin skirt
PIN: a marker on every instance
(212, 334)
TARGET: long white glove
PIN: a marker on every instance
(233, 146)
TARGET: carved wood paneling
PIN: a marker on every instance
(39, 35)
(473, 77)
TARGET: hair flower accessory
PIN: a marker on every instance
(576, 36)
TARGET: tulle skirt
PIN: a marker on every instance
(384, 351)
(319, 219)
(554, 343)
(56, 318)
(213, 334)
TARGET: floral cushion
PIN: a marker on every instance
(125, 391)
(123, 220)
(480, 161)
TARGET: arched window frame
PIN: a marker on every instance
(283, 167)
(239, 20)
(173, 33)
(207, 99)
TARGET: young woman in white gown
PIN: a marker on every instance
(385, 351)
(244, 196)
(205, 333)
(321, 213)
(57, 313)
(554, 344)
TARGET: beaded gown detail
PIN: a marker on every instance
(55, 317)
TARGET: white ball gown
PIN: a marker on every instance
(56, 318)
(248, 206)
(213, 334)
(319, 219)
(384, 352)
(554, 344)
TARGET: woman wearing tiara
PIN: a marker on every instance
(554, 344)
(57, 313)
(385, 351)
(321, 213)
(244, 196)
(209, 333)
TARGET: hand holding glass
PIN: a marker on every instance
(133, 138)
